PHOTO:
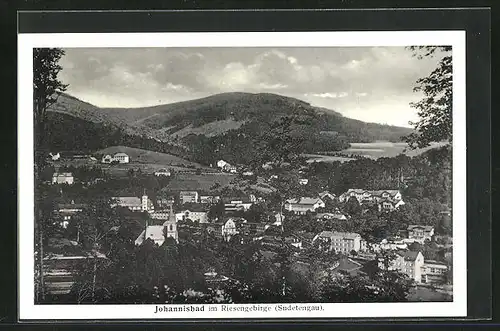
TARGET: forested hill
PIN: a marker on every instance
(217, 114)
(222, 125)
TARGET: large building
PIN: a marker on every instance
(195, 213)
(188, 197)
(410, 263)
(158, 233)
(340, 242)
(121, 158)
(434, 272)
(420, 233)
(63, 178)
(134, 203)
(237, 203)
(304, 205)
(371, 195)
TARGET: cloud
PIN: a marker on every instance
(341, 78)
(328, 95)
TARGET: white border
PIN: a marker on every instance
(26, 42)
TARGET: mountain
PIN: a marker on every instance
(227, 110)
(228, 123)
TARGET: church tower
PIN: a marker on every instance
(144, 202)
(170, 226)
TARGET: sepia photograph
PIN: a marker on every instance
(244, 181)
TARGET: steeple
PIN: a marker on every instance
(171, 217)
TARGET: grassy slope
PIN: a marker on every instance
(145, 156)
(221, 112)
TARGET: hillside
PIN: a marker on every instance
(138, 155)
(225, 111)
(226, 125)
(66, 132)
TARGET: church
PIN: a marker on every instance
(158, 233)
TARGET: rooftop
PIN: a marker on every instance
(425, 227)
(304, 201)
(408, 255)
(63, 174)
(128, 200)
(347, 235)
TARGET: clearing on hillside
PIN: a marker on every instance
(138, 155)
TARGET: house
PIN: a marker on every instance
(195, 213)
(390, 244)
(248, 173)
(188, 197)
(230, 168)
(389, 204)
(251, 228)
(331, 216)
(327, 195)
(229, 229)
(215, 229)
(303, 181)
(307, 238)
(221, 164)
(279, 218)
(107, 159)
(267, 166)
(158, 233)
(121, 158)
(63, 178)
(366, 195)
(237, 203)
(67, 210)
(165, 201)
(434, 272)
(420, 233)
(340, 242)
(134, 203)
(208, 199)
(55, 157)
(409, 263)
(163, 172)
(304, 205)
(294, 241)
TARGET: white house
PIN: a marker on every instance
(420, 233)
(107, 159)
(303, 205)
(188, 197)
(121, 158)
(63, 178)
(221, 164)
(409, 263)
(303, 181)
(342, 242)
(366, 195)
(55, 157)
(434, 272)
(229, 229)
(199, 216)
(163, 172)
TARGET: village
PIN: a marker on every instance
(307, 222)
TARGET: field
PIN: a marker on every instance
(373, 150)
(148, 157)
(325, 158)
(386, 149)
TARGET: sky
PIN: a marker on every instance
(372, 84)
